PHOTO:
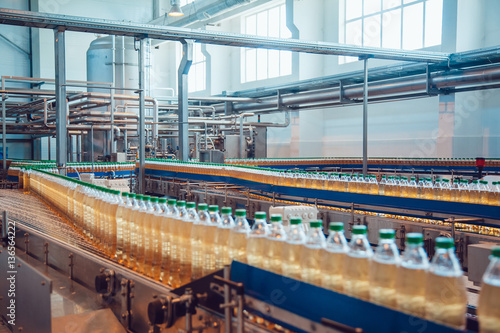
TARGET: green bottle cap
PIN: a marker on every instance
(414, 238)
(445, 243)
(190, 205)
(276, 218)
(146, 197)
(359, 229)
(202, 207)
(154, 199)
(139, 196)
(496, 251)
(162, 200)
(387, 233)
(226, 210)
(295, 220)
(213, 208)
(336, 226)
(181, 203)
(132, 195)
(260, 215)
(171, 201)
(124, 194)
(316, 223)
(241, 212)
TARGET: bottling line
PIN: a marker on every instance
(211, 150)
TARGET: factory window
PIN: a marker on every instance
(395, 24)
(197, 73)
(261, 64)
(185, 2)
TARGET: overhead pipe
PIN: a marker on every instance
(444, 80)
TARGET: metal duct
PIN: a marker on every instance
(484, 76)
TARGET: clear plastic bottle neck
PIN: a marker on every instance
(492, 274)
(259, 228)
(241, 224)
(445, 263)
(204, 217)
(276, 231)
(215, 218)
(226, 221)
(296, 234)
(359, 246)
(414, 256)
(386, 252)
(336, 242)
(315, 238)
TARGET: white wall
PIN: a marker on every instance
(465, 125)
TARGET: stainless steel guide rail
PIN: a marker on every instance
(111, 27)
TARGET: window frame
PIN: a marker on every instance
(343, 22)
(254, 54)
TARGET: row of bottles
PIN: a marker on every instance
(458, 190)
(173, 242)
(72, 167)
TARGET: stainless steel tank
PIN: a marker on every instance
(100, 65)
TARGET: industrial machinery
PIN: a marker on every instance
(67, 272)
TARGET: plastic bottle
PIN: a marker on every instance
(489, 297)
(274, 245)
(120, 221)
(381, 185)
(238, 237)
(411, 277)
(292, 248)
(484, 192)
(474, 192)
(150, 235)
(128, 224)
(404, 187)
(383, 270)
(333, 258)
(222, 238)
(494, 196)
(141, 230)
(256, 241)
(135, 231)
(464, 191)
(166, 226)
(445, 295)
(111, 230)
(176, 243)
(209, 240)
(357, 264)
(185, 249)
(156, 247)
(412, 188)
(310, 258)
(197, 232)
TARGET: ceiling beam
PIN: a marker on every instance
(119, 28)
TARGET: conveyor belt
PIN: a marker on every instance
(30, 211)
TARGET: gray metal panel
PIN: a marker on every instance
(478, 260)
(232, 146)
(260, 138)
(83, 24)
(32, 296)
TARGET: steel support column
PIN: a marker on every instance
(61, 106)
(187, 60)
(142, 116)
(365, 118)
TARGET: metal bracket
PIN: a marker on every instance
(429, 89)
(105, 282)
(126, 292)
(342, 98)
(279, 104)
(26, 242)
(71, 264)
(46, 252)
